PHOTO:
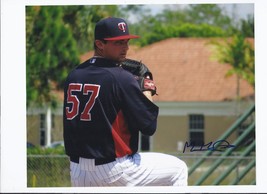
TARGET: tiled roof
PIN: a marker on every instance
(184, 71)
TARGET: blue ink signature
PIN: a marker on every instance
(222, 145)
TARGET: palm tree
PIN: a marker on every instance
(239, 53)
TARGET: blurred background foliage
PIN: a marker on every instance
(56, 36)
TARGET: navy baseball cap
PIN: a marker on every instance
(112, 29)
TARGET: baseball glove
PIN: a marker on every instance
(142, 74)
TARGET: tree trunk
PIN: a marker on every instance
(238, 95)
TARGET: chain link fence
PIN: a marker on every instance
(48, 171)
(53, 170)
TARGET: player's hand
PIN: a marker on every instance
(142, 73)
(148, 94)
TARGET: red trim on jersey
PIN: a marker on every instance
(121, 136)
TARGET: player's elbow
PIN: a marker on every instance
(150, 130)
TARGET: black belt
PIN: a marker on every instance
(97, 161)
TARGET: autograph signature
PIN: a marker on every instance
(219, 145)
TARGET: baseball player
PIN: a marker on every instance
(107, 102)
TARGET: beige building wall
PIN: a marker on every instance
(57, 128)
(170, 130)
(33, 129)
(174, 129)
(215, 126)
(173, 123)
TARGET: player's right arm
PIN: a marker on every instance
(139, 109)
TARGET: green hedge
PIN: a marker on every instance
(46, 151)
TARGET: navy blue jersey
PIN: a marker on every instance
(104, 110)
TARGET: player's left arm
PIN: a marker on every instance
(143, 75)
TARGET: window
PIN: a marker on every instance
(53, 121)
(42, 129)
(196, 129)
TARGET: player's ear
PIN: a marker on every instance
(99, 44)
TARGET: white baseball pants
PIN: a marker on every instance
(141, 169)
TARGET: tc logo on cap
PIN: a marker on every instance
(122, 26)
